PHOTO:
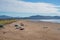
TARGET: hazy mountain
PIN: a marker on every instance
(42, 17)
(31, 17)
(5, 17)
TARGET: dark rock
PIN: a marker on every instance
(16, 25)
(45, 27)
(22, 29)
(1, 26)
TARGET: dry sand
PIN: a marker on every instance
(32, 31)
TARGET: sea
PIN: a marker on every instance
(48, 20)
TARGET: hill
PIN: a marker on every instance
(5, 17)
(42, 17)
(31, 17)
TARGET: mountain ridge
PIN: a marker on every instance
(31, 17)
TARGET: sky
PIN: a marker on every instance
(25, 8)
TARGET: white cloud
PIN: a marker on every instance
(28, 7)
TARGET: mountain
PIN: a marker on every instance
(42, 17)
(8, 17)
(31, 17)
(5, 17)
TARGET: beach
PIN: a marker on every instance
(33, 30)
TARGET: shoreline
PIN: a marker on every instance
(44, 20)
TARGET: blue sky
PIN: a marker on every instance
(25, 8)
(57, 2)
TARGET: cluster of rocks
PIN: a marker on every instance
(20, 26)
(17, 26)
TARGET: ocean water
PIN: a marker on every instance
(48, 20)
(51, 20)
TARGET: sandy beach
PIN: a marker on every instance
(32, 31)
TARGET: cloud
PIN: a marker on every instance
(28, 7)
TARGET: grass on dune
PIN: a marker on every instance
(6, 21)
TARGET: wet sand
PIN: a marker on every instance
(32, 31)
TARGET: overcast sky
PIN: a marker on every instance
(23, 8)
